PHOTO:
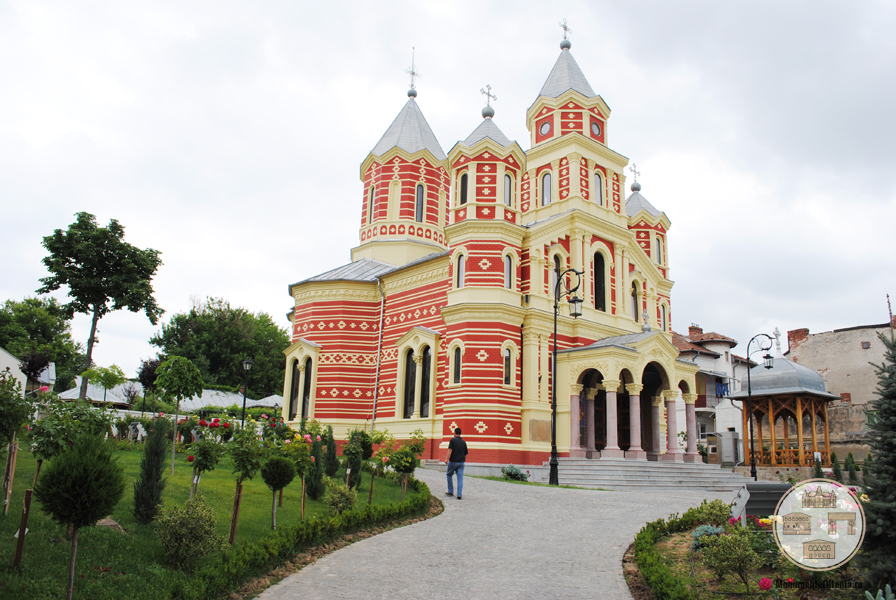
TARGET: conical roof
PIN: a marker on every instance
(785, 377)
(410, 132)
(487, 129)
(566, 75)
(636, 202)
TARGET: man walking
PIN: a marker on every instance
(455, 459)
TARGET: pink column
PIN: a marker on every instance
(612, 450)
(575, 442)
(589, 422)
(690, 412)
(654, 452)
(635, 451)
(673, 452)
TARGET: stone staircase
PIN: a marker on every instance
(626, 475)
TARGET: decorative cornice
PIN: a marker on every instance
(502, 313)
(329, 291)
(510, 232)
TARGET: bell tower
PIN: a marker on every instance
(405, 190)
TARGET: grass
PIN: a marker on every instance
(505, 480)
(111, 564)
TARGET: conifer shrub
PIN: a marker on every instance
(515, 473)
(188, 533)
(79, 487)
(314, 480)
(836, 471)
(148, 489)
(332, 456)
(851, 469)
(818, 473)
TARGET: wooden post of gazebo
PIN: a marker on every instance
(827, 438)
(799, 430)
(771, 427)
(814, 435)
(759, 430)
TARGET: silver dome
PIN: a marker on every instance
(785, 377)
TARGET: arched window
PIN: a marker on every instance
(508, 272)
(507, 361)
(456, 377)
(663, 311)
(555, 274)
(410, 378)
(659, 250)
(370, 197)
(546, 189)
(460, 270)
(306, 391)
(463, 188)
(600, 283)
(425, 378)
(294, 391)
(598, 189)
(635, 301)
(508, 190)
(418, 213)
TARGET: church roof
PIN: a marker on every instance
(365, 269)
(487, 129)
(566, 75)
(617, 341)
(636, 202)
(410, 132)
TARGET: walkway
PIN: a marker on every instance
(501, 541)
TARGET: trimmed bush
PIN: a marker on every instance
(314, 480)
(703, 536)
(277, 473)
(339, 497)
(515, 473)
(733, 555)
(835, 467)
(332, 456)
(148, 489)
(818, 473)
(187, 534)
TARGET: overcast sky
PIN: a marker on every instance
(228, 136)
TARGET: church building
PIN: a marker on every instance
(444, 317)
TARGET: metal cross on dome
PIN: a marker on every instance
(489, 96)
(634, 171)
(412, 71)
(565, 28)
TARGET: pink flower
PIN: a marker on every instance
(190, 459)
(288, 441)
(161, 414)
(264, 416)
(765, 583)
(385, 459)
(312, 459)
(44, 389)
(308, 436)
(318, 438)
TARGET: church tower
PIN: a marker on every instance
(404, 202)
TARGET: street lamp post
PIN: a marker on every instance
(768, 363)
(575, 310)
(247, 366)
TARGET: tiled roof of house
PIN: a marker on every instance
(712, 336)
(684, 345)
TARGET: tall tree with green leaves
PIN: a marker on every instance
(877, 556)
(217, 337)
(108, 377)
(41, 325)
(178, 378)
(103, 273)
(146, 375)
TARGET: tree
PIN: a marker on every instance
(877, 556)
(14, 410)
(148, 489)
(99, 267)
(217, 337)
(80, 487)
(41, 324)
(178, 378)
(109, 378)
(248, 455)
(34, 362)
(332, 459)
(836, 471)
(147, 378)
(277, 473)
(316, 486)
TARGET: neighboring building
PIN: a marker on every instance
(444, 317)
(844, 358)
(11, 362)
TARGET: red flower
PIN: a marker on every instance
(161, 414)
(214, 424)
(226, 424)
(312, 459)
(765, 583)
(190, 458)
(203, 423)
(790, 580)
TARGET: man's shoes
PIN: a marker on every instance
(460, 497)
(448, 494)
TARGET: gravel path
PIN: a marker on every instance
(501, 541)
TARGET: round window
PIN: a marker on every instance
(595, 128)
(545, 128)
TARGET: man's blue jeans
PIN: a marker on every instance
(456, 467)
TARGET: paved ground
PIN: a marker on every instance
(500, 541)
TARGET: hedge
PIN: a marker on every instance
(664, 584)
(233, 567)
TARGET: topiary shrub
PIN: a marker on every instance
(79, 487)
(837, 472)
(277, 473)
(714, 513)
(852, 470)
(189, 533)
(338, 496)
(148, 489)
(514, 473)
(314, 479)
(818, 473)
(332, 456)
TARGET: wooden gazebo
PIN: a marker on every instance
(789, 413)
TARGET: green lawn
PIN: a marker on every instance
(516, 481)
(114, 565)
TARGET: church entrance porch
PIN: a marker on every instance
(623, 407)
